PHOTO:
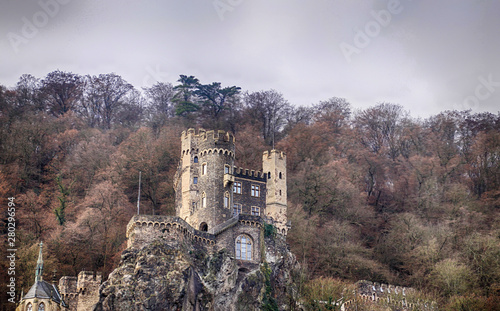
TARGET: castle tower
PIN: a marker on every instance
(204, 180)
(274, 165)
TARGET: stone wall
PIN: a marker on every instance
(68, 291)
(88, 290)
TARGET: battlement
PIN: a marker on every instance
(67, 284)
(268, 154)
(211, 135)
(145, 228)
(89, 276)
(246, 173)
(369, 288)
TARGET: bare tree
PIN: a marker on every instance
(63, 90)
(271, 110)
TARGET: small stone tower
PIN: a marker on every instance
(204, 181)
(274, 165)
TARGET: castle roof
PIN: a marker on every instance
(45, 290)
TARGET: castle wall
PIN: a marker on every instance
(247, 225)
(68, 290)
(245, 198)
(144, 229)
(88, 290)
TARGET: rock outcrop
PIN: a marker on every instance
(177, 275)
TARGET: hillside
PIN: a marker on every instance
(374, 194)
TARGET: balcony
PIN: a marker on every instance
(228, 180)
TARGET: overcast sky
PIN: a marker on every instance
(426, 55)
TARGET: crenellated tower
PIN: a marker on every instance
(274, 165)
(204, 180)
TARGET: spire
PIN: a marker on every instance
(39, 265)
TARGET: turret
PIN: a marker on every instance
(39, 265)
(204, 180)
(274, 165)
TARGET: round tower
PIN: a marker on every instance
(204, 180)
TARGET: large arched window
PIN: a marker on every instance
(29, 307)
(41, 307)
(244, 247)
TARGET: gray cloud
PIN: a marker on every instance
(431, 56)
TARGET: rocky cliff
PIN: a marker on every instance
(178, 275)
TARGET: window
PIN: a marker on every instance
(195, 159)
(41, 307)
(195, 180)
(226, 169)
(281, 176)
(236, 209)
(237, 188)
(243, 247)
(255, 191)
(204, 169)
(226, 199)
(203, 200)
(30, 307)
(268, 175)
(255, 211)
(193, 207)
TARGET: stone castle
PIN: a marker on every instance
(217, 203)
(219, 207)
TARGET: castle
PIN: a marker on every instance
(218, 206)
(217, 203)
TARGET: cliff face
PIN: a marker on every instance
(175, 275)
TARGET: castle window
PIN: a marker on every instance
(268, 175)
(255, 211)
(195, 159)
(237, 188)
(255, 191)
(226, 169)
(236, 209)
(203, 200)
(204, 169)
(226, 199)
(243, 247)
(281, 177)
(204, 227)
(195, 180)
(41, 307)
(194, 205)
(30, 307)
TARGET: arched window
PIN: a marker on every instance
(41, 307)
(203, 200)
(244, 247)
(204, 227)
(195, 159)
(30, 307)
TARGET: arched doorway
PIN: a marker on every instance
(204, 227)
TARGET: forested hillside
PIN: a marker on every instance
(374, 194)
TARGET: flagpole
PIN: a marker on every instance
(139, 193)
